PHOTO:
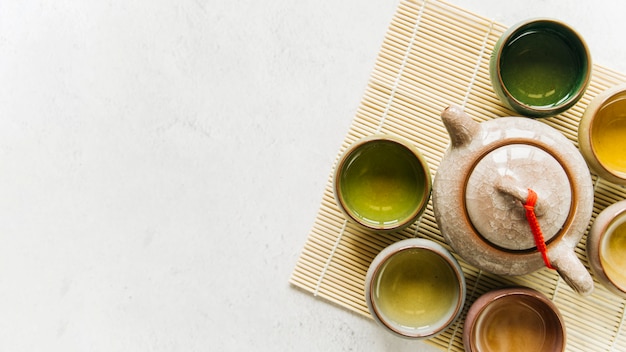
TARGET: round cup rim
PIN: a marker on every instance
(419, 209)
(566, 103)
(390, 251)
(598, 234)
(600, 101)
(489, 298)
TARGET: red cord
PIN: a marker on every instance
(534, 226)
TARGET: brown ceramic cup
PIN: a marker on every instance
(514, 319)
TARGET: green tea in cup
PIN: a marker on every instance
(415, 288)
(382, 183)
(540, 67)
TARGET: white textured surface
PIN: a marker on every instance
(161, 163)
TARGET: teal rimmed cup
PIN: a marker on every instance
(540, 67)
(382, 183)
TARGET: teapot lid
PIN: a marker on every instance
(497, 188)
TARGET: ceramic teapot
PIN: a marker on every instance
(485, 180)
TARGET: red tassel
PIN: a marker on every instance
(534, 226)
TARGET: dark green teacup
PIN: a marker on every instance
(382, 183)
(540, 67)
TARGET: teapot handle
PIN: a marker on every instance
(571, 269)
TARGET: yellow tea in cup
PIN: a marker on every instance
(608, 135)
(613, 252)
(602, 134)
(415, 288)
(606, 248)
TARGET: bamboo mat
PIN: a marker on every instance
(435, 54)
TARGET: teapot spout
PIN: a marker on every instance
(460, 125)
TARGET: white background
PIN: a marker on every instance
(161, 163)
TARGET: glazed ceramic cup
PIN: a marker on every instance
(601, 134)
(540, 67)
(606, 248)
(513, 319)
(415, 288)
(382, 183)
